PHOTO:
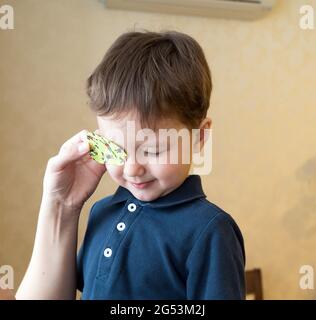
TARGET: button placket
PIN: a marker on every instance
(113, 241)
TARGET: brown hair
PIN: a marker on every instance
(155, 74)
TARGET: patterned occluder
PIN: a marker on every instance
(104, 151)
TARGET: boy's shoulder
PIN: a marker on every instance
(209, 214)
(215, 223)
(103, 202)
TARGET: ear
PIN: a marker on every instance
(201, 135)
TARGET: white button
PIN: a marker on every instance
(107, 252)
(121, 226)
(131, 207)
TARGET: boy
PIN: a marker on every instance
(156, 237)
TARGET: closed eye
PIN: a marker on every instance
(151, 153)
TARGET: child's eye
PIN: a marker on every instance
(151, 153)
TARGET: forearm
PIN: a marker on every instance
(51, 273)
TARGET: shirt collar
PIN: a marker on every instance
(189, 190)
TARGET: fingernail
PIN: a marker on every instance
(83, 147)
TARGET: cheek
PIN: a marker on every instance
(169, 172)
(116, 172)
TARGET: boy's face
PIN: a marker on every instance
(146, 180)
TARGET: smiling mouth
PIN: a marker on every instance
(142, 185)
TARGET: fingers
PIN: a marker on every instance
(73, 149)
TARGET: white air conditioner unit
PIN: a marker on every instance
(227, 9)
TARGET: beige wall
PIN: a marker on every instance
(263, 108)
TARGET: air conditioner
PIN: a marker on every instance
(227, 9)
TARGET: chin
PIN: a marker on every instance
(144, 196)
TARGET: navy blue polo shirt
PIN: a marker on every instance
(179, 246)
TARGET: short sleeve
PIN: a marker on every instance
(216, 263)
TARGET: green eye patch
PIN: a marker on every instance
(105, 151)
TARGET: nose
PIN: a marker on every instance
(132, 168)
